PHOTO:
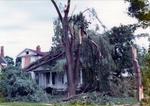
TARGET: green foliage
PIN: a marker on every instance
(103, 63)
(140, 9)
(79, 20)
(16, 85)
(105, 73)
(57, 33)
(121, 39)
(97, 69)
(146, 80)
(9, 60)
(99, 99)
(18, 62)
(59, 66)
(146, 75)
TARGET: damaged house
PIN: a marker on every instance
(46, 68)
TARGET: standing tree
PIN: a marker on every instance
(67, 46)
(68, 38)
(121, 39)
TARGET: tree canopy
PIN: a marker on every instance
(140, 9)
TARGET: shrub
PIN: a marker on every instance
(17, 85)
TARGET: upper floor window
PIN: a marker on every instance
(27, 52)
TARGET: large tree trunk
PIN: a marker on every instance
(77, 67)
(69, 53)
(70, 72)
(69, 57)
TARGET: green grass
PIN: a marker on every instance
(40, 104)
(22, 104)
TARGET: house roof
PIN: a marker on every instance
(37, 53)
(43, 61)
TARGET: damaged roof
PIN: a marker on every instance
(43, 61)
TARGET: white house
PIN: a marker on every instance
(47, 74)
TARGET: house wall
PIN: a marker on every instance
(28, 56)
(60, 80)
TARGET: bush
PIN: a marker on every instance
(16, 85)
(96, 98)
(146, 80)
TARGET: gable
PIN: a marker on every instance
(28, 52)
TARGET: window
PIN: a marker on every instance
(27, 52)
(47, 78)
(37, 78)
(53, 77)
(62, 79)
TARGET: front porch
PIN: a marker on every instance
(54, 80)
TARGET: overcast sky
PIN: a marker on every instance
(28, 23)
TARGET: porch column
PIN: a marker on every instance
(50, 78)
(81, 79)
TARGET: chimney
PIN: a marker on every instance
(38, 48)
(2, 51)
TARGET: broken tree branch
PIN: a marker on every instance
(68, 8)
(57, 9)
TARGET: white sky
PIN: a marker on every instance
(28, 23)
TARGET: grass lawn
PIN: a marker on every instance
(36, 104)
(23, 104)
(40, 104)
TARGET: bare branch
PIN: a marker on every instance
(57, 9)
(68, 7)
(88, 10)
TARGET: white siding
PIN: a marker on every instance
(34, 58)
